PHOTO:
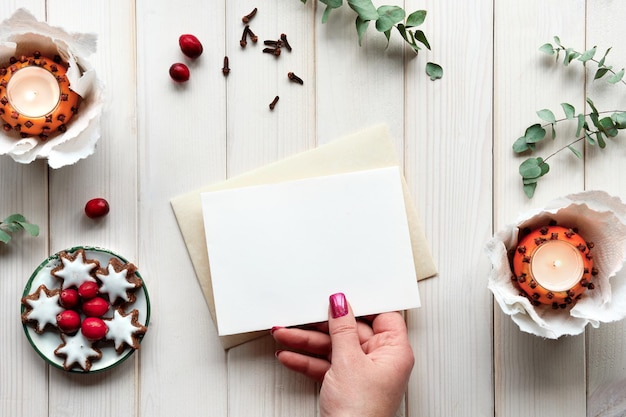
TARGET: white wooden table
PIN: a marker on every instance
(454, 137)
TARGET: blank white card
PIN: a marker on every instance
(278, 251)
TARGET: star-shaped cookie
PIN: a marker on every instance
(77, 349)
(42, 307)
(125, 329)
(75, 270)
(119, 281)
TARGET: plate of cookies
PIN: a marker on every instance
(85, 309)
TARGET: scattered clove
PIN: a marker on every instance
(249, 16)
(274, 51)
(293, 77)
(243, 42)
(225, 69)
(273, 103)
(254, 38)
(283, 38)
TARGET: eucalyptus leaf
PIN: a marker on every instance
(601, 72)
(617, 77)
(388, 16)
(14, 218)
(520, 145)
(326, 14)
(568, 109)
(593, 106)
(4, 237)
(600, 140)
(333, 4)
(529, 189)
(421, 37)
(546, 115)
(531, 168)
(416, 18)
(547, 48)
(364, 8)
(601, 62)
(608, 126)
(557, 40)
(361, 28)
(581, 123)
(619, 118)
(31, 229)
(587, 55)
(590, 140)
(434, 71)
(575, 152)
(535, 133)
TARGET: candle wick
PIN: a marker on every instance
(556, 263)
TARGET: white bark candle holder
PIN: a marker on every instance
(50, 97)
(597, 293)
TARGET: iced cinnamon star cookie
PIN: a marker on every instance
(78, 350)
(125, 329)
(119, 281)
(75, 270)
(42, 308)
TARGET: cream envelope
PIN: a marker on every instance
(367, 149)
(277, 251)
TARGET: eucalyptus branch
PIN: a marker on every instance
(590, 127)
(387, 18)
(15, 223)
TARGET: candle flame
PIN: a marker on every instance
(557, 263)
(31, 96)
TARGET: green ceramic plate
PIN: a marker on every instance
(46, 343)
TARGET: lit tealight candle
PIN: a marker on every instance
(35, 96)
(553, 265)
(33, 91)
(557, 265)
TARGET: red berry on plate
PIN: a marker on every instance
(69, 298)
(96, 207)
(96, 307)
(179, 72)
(94, 328)
(88, 290)
(68, 321)
(190, 45)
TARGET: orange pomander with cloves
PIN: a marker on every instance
(553, 265)
(35, 96)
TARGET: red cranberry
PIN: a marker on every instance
(69, 298)
(96, 307)
(179, 72)
(190, 45)
(96, 207)
(94, 328)
(88, 290)
(68, 321)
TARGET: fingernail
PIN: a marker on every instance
(278, 352)
(273, 329)
(338, 305)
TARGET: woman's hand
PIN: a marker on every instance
(364, 367)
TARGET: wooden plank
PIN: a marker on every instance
(533, 376)
(24, 388)
(358, 86)
(181, 148)
(606, 353)
(109, 173)
(257, 383)
(448, 166)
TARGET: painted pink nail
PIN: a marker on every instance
(338, 305)
(273, 329)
